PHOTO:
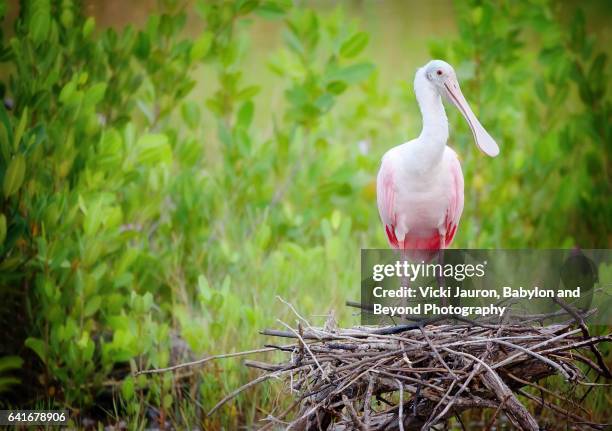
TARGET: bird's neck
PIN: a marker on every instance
(431, 142)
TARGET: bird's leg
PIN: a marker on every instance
(405, 281)
(440, 276)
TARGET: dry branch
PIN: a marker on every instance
(372, 379)
(445, 369)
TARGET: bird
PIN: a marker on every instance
(419, 186)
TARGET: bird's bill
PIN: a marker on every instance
(483, 140)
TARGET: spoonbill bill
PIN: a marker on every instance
(419, 186)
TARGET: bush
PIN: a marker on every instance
(123, 228)
(547, 103)
(142, 223)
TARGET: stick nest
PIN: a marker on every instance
(417, 376)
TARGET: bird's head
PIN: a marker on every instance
(442, 77)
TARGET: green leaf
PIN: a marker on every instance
(297, 95)
(352, 74)
(336, 219)
(224, 134)
(2, 228)
(477, 15)
(127, 388)
(153, 148)
(354, 45)
(6, 382)
(68, 95)
(293, 42)
(38, 346)
(245, 114)
(111, 153)
(540, 87)
(89, 26)
(577, 29)
(13, 177)
(95, 94)
(336, 87)
(142, 46)
(201, 46)
(598, 68)
(270, 10)
(67, 18)
(92, 306)
(325, 102)
(20, 128)
(204, 288)
(10, 363)
(40, 20)
(5, 145)
(190, 112)
(247, 6)
(248, 92)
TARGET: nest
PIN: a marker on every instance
(416, 376)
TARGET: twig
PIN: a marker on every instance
(543, 343)
(401, 405)
(368, 399)
(497, 410)
(549, 392)
(353, 414)
(435, 351)
(282, 415)
(314, 358)
(521, 417)
(586, 335)
(203, 361)
(243, 388)
(557, 408)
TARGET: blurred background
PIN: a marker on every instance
(169, 168)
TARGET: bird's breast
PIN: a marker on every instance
(422, 199)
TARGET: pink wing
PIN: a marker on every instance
(455, 203)
(385, 197)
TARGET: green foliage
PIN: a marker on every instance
(8, 364)
(549, 107)
(133, 225)
(147, 220)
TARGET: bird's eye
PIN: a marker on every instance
(439, 72)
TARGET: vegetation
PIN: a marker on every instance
(142, 223)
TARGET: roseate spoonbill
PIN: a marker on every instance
(420, 185)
